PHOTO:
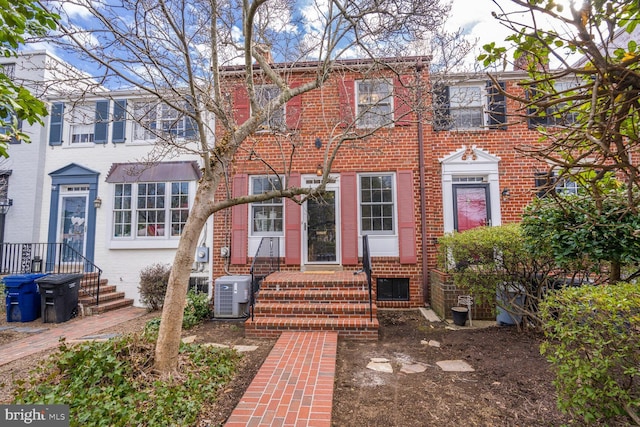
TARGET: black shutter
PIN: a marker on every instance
(101, 126)
(119, 121)
(497, 103)
(441, 114)
(55, 123)
(535, 117)
(543, 183)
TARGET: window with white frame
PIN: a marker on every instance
(266, 216)
(376, 204)
(375, 103)
(83, 119)
(275, 117)
(466, 107)
(153, 120)
(152, 209)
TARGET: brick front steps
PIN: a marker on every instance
(109, 298)
(314, 301)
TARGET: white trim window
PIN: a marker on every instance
(153, 120)
(375, 103)
(275, 118)
(267, 217)
(155, 210)
(467, 106)
(377, 204)
(82, 126)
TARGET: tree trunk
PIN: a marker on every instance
(615, 273)
(169, 335)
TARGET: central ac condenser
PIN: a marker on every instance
(231, 296)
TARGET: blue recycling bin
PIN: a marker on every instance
(22, 297)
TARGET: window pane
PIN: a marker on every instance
(267, 216)
(83, 122)
(374, 103)
(376, 204)
(122, 211)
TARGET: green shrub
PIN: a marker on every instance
(197, 309)
(112, 383)
(593, 342)
(492, 261)
(153, 285)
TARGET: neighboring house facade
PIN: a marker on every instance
(89, 177)
(24, 171)
(413, 180)
(110, 194)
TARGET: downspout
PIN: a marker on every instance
(423, 207)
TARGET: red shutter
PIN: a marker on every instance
(346, 90)
(241, 108)
(294, 109)
(402, 102)
(406, 218)
(349, 217)
(239, 221)
(292, 236)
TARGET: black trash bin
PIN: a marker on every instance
(22, 298)
(59, 297)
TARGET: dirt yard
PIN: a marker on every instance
(510, 384)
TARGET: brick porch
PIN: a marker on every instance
(314, 301)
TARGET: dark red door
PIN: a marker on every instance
(471, 204)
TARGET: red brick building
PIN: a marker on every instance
(424, 172)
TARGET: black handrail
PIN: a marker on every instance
(367, 269)
(265, 262)
(22, 258)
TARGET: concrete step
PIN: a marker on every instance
(352, 329)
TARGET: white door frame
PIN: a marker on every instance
(334, 186)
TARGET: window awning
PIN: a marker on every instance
(154, 172)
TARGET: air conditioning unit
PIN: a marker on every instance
(231, 296)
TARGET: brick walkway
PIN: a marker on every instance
(294, 386)
(73, 329)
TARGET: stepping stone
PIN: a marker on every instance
(455, 366)
(429, 314)
(244, 348)
(431, 343)
(414, 368)
(99, 337)
(27, 330)
(380, 367)
(213, 344)
(189, 340)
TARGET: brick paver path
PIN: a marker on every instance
(294, 386)
(73, 329)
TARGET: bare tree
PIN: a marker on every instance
(189, 54)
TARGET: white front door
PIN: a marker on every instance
(72, 224)
(321, 227)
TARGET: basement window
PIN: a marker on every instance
(393, 289)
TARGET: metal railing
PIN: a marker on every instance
(366, 268)
(23, 258)
(265, 262)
